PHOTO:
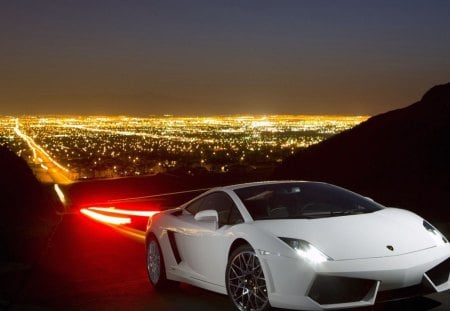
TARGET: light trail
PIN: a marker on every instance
(60, 194)
(26, 139)
(114, 210)
(118, 223)
(34, 146)
(58, 172)
(114, 220)
(134, 234)
(105, 214)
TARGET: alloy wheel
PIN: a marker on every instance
(246, 282)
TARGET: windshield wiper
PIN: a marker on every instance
(332, 214)
(304, 217)
(348, 212)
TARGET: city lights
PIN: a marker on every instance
(115, 146)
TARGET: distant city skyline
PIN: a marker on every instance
(143, 58)
(63, 149)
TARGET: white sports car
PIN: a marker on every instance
(296, 245)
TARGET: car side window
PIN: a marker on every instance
(220, 202)
(194, 207)
(235, 216)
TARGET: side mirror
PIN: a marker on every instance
(208, 215)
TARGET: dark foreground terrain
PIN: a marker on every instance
(90, 266)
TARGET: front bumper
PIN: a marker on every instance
(295, 284)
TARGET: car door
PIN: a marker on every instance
(203, 246)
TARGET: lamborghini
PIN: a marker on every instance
(296, 245)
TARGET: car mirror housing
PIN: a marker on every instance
(208, 215)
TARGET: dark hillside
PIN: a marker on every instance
(27, 209)
(400, 158)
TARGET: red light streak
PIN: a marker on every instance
(114, 210)
(97, 213)
(114, 220)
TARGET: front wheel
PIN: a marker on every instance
(246, 285)
(155, 265)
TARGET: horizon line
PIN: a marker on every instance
(257, 115)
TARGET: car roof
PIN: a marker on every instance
(258, 183)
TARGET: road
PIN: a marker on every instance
(90, 266)
(46, 169)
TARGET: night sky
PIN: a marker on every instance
(220, 57)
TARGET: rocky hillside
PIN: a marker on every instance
(400, 158)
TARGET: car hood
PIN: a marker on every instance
(388, 232)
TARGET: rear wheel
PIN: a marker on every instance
(155, 264)
(246, 285)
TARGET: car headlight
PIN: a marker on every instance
(307, 250)
(437, 237)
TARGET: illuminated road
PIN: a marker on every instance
(46, 169)
(90, 266)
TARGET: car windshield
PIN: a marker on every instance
(303, 200)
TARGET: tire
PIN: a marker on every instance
(245, 281)
(155, 265)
